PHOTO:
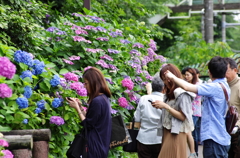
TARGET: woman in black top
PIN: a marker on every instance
(97, 119)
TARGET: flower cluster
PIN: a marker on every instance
(23, 57)
(38, 67)
(56, 102)
(40, 106)
(27, 92)
(67, 61)
(22, 102)
(25, 121)
(123, 102)
(93, 50)
(139, 45)
(55, 81)
(57, 120)
(106, 57)
(25, 74)
(3, 143)
(127, 82)
(153, 45)
(71, 77)
(5, 91)
(8, 69)
(113, 51)
(6, 153)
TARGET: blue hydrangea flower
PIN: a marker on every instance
(55, 81)
(41, 104)
(25, 121)
(25, 74)
(27, 92)
(22, 102)
(23, 57)
(38, 67)
(38, 110)
(56, 102)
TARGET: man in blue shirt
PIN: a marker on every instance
(216, 140)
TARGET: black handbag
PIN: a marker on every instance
(132, 147)
(232, 114)
(79, 145)
(119, 134)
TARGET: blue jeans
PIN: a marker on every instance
(212, 149)
(196, 132)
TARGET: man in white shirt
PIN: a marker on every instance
(149, 142)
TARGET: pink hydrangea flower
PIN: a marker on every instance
(5, 91)
(7, 154)
(8, 69)
(82, 92)
(76, 85)
(86, 68)
(123, 102)
(68, 61)
(71, 77)
(127, 82)
(74, 57)
(57, 120)
(3, 143)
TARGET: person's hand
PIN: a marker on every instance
(79, 103)
(169, 75)
(149, 88)
(158, 104)
(73, 103)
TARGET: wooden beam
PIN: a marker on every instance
(186, 8)
(87, 4)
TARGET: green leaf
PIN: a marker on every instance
(63, 71)
(13, 97)
(5, 129)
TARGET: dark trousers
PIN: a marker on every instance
(234, 151)
(148, 151)
(212, 149)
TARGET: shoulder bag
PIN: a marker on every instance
(232, 113)
(79, 145)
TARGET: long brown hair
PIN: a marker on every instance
(173, 69)
(96, 82)
(194, 74)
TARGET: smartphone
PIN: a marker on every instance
(69, 98)
(150, 101)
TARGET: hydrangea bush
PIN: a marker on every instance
(4, 153)
(33, 94)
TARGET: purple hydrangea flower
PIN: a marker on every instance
(22, 102)
(71, 77)
(161, 58)
(56, 102)
(134, 51)
(25, 121)
(63, 83)
(122, 102)
(109, 80)
(23, 57)
(8, 69)
(27, 92)
(61, 33)
(5, 91)
(89, 27)
(113, 111)
(139, 45)
(125, 41)
(57, 120)
(113, 51)
(102, 39)
(80, 39)
(127, 82)
(55, 81)
(51, 29)
(153, 45)
(113, 67)
(102, 29)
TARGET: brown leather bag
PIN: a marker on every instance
(232, 113)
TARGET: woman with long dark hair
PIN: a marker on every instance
(177, 116)
(97, 119)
